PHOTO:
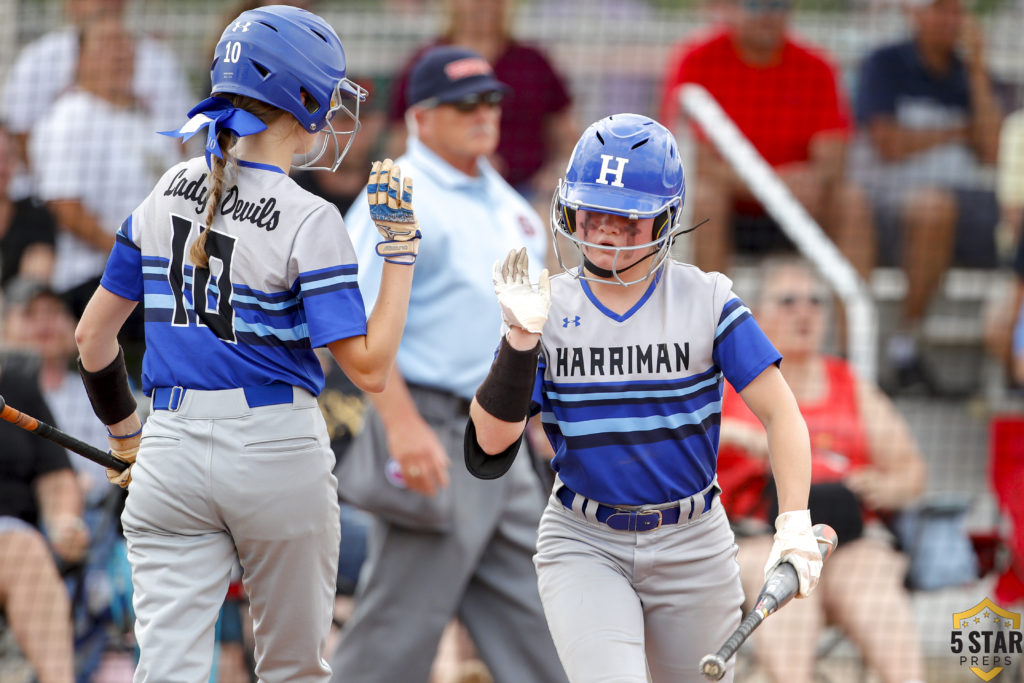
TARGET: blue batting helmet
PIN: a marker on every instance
(629, 165)
(291, 59)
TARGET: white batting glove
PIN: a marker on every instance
(521, 304)
(390, 199)
(795, 543)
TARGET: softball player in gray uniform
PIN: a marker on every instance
(636, 561)
(242, 274)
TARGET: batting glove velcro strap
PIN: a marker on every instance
(390, 199)
(506, 391)
(389, 249)
(124, 448)
(795, 543)
(521, 304)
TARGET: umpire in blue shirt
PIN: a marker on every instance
(443, 543)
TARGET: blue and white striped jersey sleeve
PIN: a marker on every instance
(323, 265)
(123, 273)
(741, 349)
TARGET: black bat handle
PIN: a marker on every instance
(746, 627)
(82, 448)
(31, 424)
(79, 446)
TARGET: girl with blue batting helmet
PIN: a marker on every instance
(624, 363)
(242, 275)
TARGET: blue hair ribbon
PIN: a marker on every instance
(216, 114)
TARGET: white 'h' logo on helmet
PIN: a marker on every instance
(617, 171)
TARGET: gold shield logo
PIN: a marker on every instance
(986, 638)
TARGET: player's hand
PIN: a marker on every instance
(521, 304)
(420, 455)
(795, 543)
(123, 448)
(390, 198)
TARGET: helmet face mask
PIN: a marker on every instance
(563, 215)
(331, 145)
(626, 165)
(291, 59)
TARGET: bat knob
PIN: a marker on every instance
(3, 403)
(713, 667)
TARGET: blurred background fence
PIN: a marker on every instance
(614, 55)
(614, 52)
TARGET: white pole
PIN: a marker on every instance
(794, 220)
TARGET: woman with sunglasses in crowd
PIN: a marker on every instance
(863, 460)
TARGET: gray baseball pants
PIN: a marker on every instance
(216, 479)
(622, 603)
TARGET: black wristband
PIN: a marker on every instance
(111, 397)
(508, 388)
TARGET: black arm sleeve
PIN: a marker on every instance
(482, 465)
(506, 391)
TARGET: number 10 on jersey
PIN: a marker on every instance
(220, 247)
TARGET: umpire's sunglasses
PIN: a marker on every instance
(469, 103)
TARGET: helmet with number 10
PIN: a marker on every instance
(627, 165)
(293, 60)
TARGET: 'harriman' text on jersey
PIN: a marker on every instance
(578, 361)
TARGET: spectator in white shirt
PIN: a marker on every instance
(95, 155)
(46, 67)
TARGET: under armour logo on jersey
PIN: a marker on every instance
(617, 171)
(575, 322)
(240, 25)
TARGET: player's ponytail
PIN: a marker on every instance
(218, 169)
(198, 255)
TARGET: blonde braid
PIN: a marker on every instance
(197, 253)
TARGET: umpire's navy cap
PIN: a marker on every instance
(447, 73)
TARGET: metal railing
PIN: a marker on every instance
(798, 225)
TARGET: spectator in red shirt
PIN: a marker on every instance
(538, 128)
(784, 97)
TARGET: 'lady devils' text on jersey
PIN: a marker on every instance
(281, 280)
(632, 403)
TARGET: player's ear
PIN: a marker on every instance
(658, 226)
(418, 115)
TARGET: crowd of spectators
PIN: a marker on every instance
(918, 166)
